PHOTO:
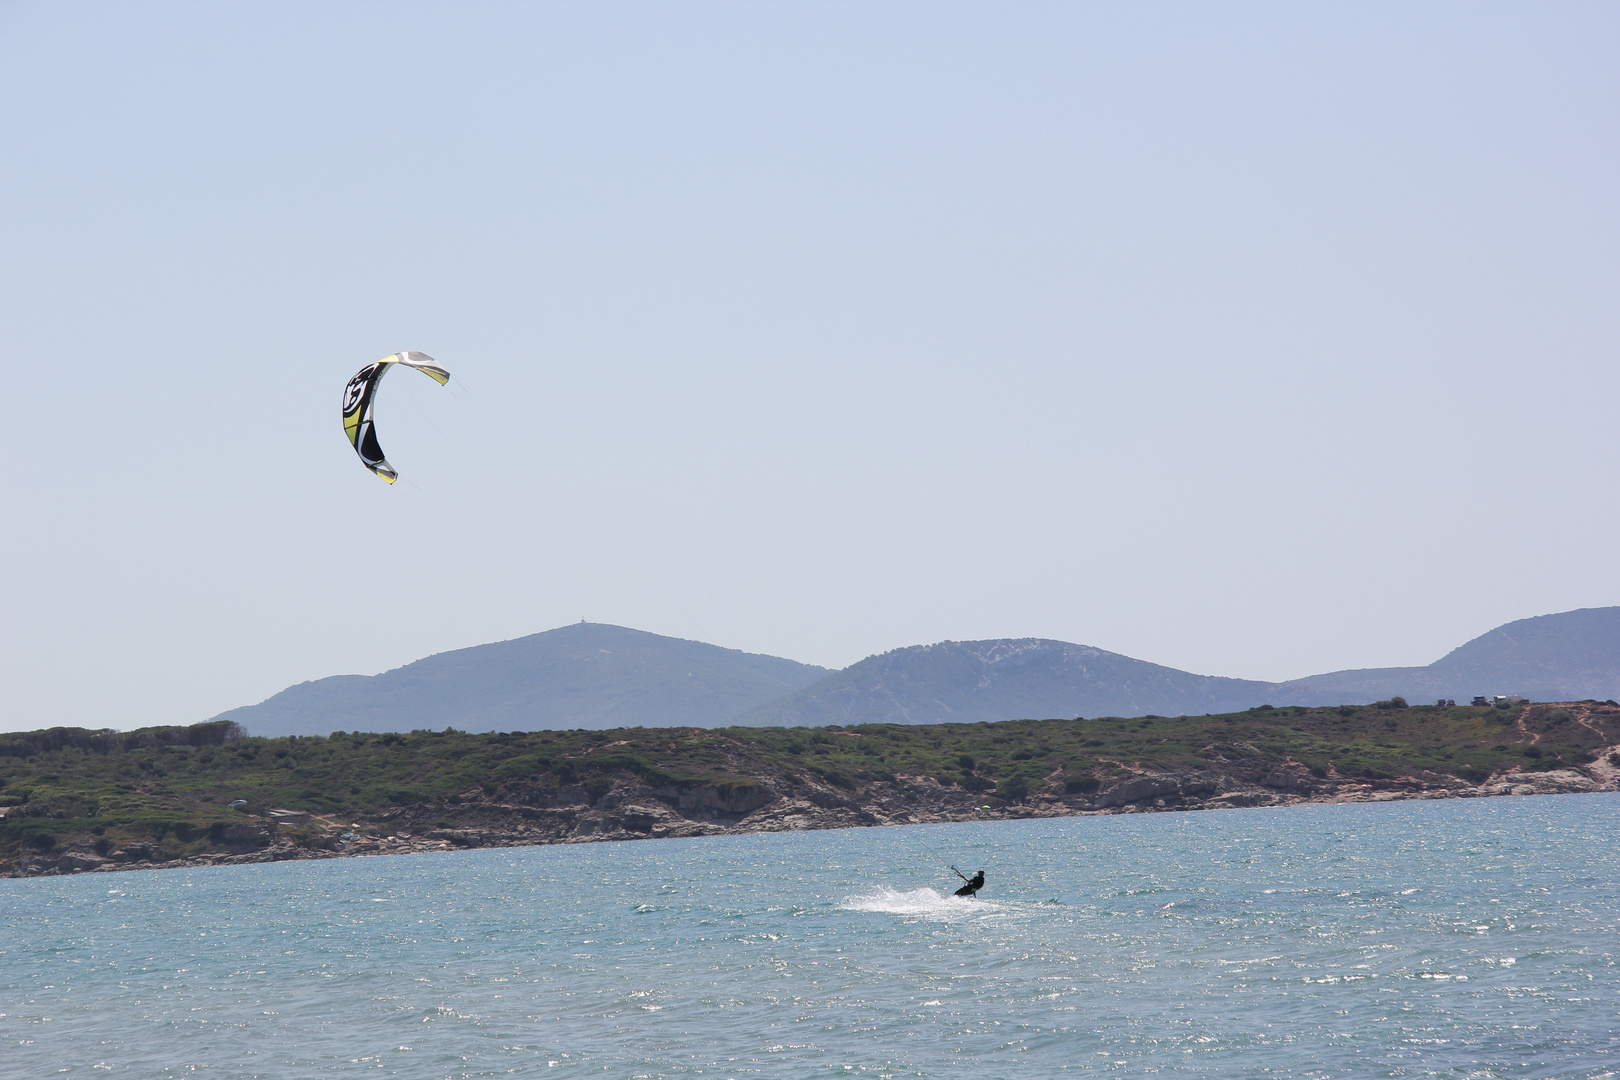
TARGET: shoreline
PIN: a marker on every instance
(632, 814)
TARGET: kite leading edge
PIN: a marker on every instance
(360, 396)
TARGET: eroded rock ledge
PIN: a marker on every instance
(631, 810)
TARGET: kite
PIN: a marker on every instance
(360, 397)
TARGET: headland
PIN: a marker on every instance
(78, 801)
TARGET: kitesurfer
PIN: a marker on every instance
(974, 883)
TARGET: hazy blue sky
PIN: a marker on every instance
(1257, 340)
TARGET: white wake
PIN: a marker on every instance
(922, 903)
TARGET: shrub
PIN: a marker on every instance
(523, 766)
(1015, 788)
(391, 795)
(1081, 785)
(1363, 768)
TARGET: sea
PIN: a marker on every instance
(1466, 938)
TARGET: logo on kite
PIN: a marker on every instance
(360, 398)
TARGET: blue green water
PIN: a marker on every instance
(1465, 938)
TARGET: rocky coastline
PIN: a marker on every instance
(632, 810)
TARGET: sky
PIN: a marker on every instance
(1257, 340)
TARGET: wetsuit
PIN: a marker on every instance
(974, 884)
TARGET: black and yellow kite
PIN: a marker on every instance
(360, 396)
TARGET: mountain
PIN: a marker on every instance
(1568, 656)
(1010, 678)
(591, 675)
(1565, 657)
(588, 675)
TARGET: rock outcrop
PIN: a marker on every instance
(1554, 782)
(630, 809)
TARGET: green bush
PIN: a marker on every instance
(836, 778)
(1015, 788)
(390, 795)
(524, 766)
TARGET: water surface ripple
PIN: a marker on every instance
(1438, 939)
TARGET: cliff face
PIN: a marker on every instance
(635, 811)
(632, 810)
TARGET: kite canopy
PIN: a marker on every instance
(360, 396)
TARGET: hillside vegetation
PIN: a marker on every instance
(162, 793)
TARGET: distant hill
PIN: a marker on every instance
(1569, 656)
(588, 675)
(1010, 678)
(591, 675)
(1565, 657)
